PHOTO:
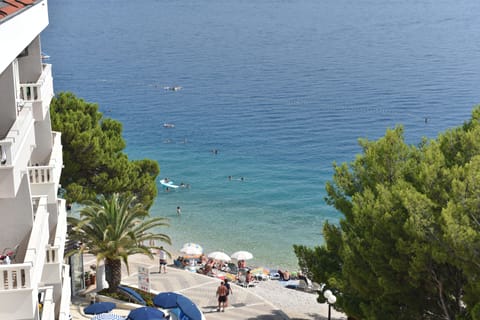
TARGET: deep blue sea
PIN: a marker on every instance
(280, 88)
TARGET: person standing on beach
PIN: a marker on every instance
(222, 296)
(229, 290)
(162, 255)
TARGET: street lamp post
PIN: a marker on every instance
(331, 299)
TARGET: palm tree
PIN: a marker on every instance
(113, 229)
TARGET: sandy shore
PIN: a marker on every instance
(267, 300)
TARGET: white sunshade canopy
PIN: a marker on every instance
(219, 255)
(191, 248)
(242, 255)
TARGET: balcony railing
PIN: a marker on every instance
(41, 174)
(23, 275)
(15, 276)
(12, 143)
(49, 173)
(36, 245)
(36, 91)
(39, 93)
(18, 275)
(16, 150)
(52, 255)
(52, 273)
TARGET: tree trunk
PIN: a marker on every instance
(113, 274)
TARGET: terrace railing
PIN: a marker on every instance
(39, 93)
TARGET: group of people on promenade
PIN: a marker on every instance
(223, 291)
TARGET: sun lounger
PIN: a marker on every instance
(291, 284)
(274, 276)
(261, 277)
(308, 286)
(178, 263)
(233, 268)
(248, 284)
(133, 295)
(242, 281)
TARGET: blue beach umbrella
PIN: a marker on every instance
(166, 300)
(189, 308)
(172, 300)
(99, 307)
(146, 313)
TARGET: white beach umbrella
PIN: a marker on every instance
(219, 255)
(191, 248)
(242, 255)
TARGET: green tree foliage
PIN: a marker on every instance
(114, 228)
(93, 154)
(408, 245)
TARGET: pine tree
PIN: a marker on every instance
(408, 246)
(93, 154)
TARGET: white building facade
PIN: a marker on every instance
(34, 280)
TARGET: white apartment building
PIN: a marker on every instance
(34, 280)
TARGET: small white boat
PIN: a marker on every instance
(174, 88)
(45, 56)
(168, 184)
(168, 125)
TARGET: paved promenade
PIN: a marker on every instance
(267, 301)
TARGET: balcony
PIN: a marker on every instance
(16, 150)
(39, 94)
(53, 269)
(18, 281)
(44, 179)
(55, 272)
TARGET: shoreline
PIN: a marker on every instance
(258, 260)
(259, 231)
(176, 253)
(178, 240)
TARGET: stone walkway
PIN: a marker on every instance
(267, 301)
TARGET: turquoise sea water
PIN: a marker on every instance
(280, 88)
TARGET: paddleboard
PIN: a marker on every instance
(168, 184)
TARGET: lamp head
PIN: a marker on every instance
(332, 299)
(327, 294)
